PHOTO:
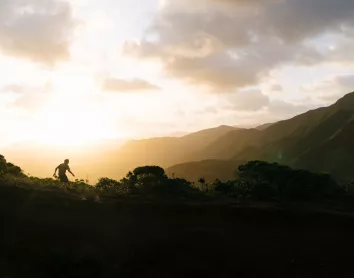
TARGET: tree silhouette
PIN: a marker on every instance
(107, 185)
(150, 171)
(9, 168)
(14, 170)
(3, 165)
(267, 179)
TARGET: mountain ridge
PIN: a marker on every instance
(295, 142)
(298, 141)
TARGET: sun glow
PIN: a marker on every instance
(73, 121)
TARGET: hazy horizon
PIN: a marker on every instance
(78, 71)
(81, 76)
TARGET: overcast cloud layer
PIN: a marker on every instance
(153, 67)
(38, 30)
(240, 42)
(122, 86)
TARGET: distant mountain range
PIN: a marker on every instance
(112, 159)
(166, 151)
(320, 140)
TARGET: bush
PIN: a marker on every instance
(9, 168)
(264, 191)
(178, 188)
(258, 180)
(108, 186)
(274, 180)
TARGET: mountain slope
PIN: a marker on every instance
(203, 138)
(235, 140)
(319, 140)
(335, 155)
(168, 151)
(288, 140)
(264, 126)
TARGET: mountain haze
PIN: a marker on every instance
(167, 151)
(319, 140)
(264, 126)
(112, 158)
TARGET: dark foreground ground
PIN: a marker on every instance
(48, 235)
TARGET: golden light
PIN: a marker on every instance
(72, 122)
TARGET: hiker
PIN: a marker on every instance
(62, 173)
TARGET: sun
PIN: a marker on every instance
(73, 122)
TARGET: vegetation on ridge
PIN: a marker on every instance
(125, 228)
(257, 181)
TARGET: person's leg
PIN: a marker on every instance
(65, 182)
(61, 181)
(63, 186)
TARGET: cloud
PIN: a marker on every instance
(250, 100)
(38, 30)
(296, 20)
(203, 5)
(331, 89)
(343, 51)
(28, 97)
(277, 88)
(345, 81)
(210, 110)
(253, 105)
(13, 88)
(226, 48)
(121, 85)
(31, 101)
(223, 71)
(282, 109)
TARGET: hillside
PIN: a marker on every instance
(47, 235)
(334, 156)
(279, 221)
(319, 140)
(164, 151)
(234, 141)
(264, 126)
(298, 142)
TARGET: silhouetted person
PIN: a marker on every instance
(62, 173)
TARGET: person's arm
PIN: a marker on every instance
(71, 172)
(55, 172)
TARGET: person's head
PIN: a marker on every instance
(66, 161)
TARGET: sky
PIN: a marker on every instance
(77, 71)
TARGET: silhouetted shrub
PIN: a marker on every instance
(107, 185)
(149, 171)
(3, 165)
(224, 187)
(177, 188)
(263, 191)
(7, 168)
(14, 170)
(258, 180)
(274, 180)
